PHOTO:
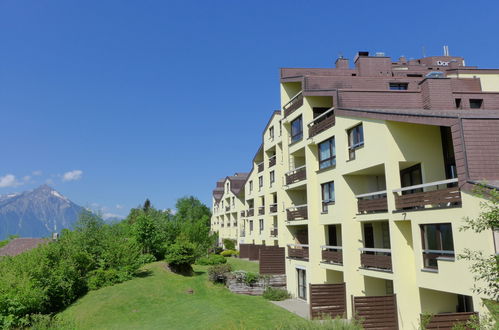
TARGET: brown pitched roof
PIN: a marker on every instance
(20, 245)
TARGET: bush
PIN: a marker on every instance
(229, 253)
(181, 256)
(217, 249)
(100, 278)
(251, 278)
(229, 244)
(276, 294)
(218, 273)
(212, 259)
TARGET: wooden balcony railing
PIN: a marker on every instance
(298, 251)
(296, 175)
(447, 321)
(272, 161)
(332, 254)
(273, 208)
(372, 202)
(321, 123)
(376, 258)
(273, 232)
(250, 212)
(260, 167)
(261, 210)
(299, 212)
(413, 197)
(295, 103)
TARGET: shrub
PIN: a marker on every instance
(212, 259)
(100, 278)
(276, 294)
(147, 258)
(229, 253)
(218, 273)
(181, 256)
(217, 250)
(251, 278)
(229, 244)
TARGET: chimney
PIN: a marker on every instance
(341, 63)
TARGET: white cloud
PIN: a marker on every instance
(37, 173)
(72, 175)
(9, 180)
(26, 178)
(119, 206)
(107, 216)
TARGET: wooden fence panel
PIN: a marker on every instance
(272, 260)
(254, 252)
(447, 321)
(328, 299)
(244, 250)
(376, 312)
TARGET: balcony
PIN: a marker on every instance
(321, 123)
(332, 254)
(430, 258)
(296, 175)
(250, 212)
(242, 214)
(378, 259)
(448, 320)
(272, 161)
(227, 208)
(273, 232)
(298, 251)
(299, 212)
(260, 167)
(372, 202)
(428, 195)
(273, 208)
(295, 103)
(261, 210)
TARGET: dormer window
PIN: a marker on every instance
(476, 103)
(399, 86)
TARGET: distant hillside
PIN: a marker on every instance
(36, 213)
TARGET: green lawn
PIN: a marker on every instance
(240, 264)
(160, 301)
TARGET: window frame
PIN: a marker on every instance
(272, 177)
(359, 133)
(398, 86)
(298, 136)
(332, 151)
(326, 202)
(427, 259)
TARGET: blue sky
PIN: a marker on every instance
(115, 101)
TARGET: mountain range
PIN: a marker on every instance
(36, 213)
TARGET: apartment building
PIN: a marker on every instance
(378, 164)
(228, 200)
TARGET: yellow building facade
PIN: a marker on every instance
(373, 173)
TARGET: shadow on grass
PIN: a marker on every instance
(143, 273)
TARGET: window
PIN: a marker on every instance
(296, 130)
(251, 225)
(355, 140)
(271, 133)
(302, 283)
(399, 86)
(437, 242)
(327, 195)
(476, 103)
(327, 154)
(272, 178)
(260, 182)
(261, 225)
(458, 103)
(251, 186)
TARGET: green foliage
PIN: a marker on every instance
(251, 278)
(229, 244)
(276, 294)
(485, 267)
(181, 254)
(212, 259)
(100, 278)
(229, 253)
(218, 273)
(327, 323)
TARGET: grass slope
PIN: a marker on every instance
(160, 301)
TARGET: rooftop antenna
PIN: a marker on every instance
(424, 51)
(446, 50)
